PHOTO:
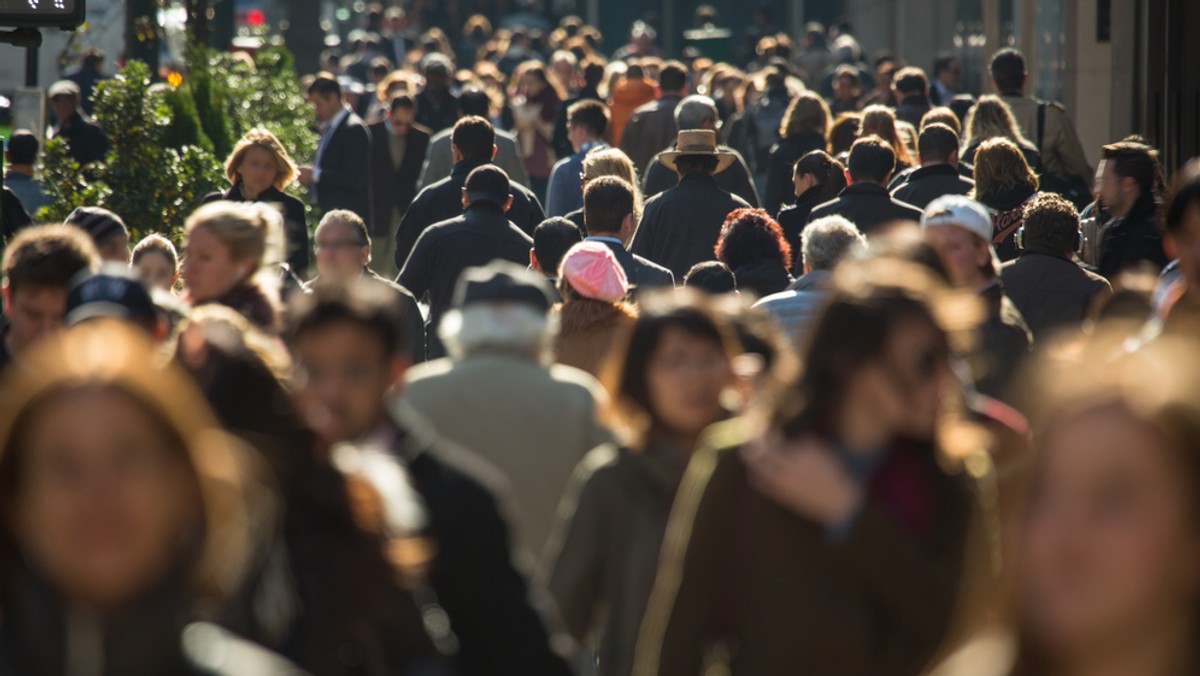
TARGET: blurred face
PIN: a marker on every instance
(844, 87)
(155, 270)
(802, 182)
(258, 170)
(104, 498)
(325, 106)
(1110, 549)
(401, 119)
(962, 252)
(905, 386)
(1118, 194)
(1186, 241)
(341, 255)
(33, 312)
(532, 84)
(952, 75)
(209, 270)
(64, 106)
(342, 376)
(685, 379)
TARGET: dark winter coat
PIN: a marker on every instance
(295, 221)
(642, 274)
(345, 169)
(736, 179)
(925, 184)
(762, 279)
(1131, 240)
(1005, 341)
(780, 189)
(392, 188)
(867, 205)
(650, 130)
(679, 227)
(1051, 291)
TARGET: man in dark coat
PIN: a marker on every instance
(698, 113)
(398, 148)
(478, 605)
(474, 144)
(482, 233)
(339, 177)
(437, 105)
(680, 227)
(938, 175)
(652, 128)
(1050, 289)
(86, 141)
(1128, 174)
(866, 202)
(608, 213)
(912, 90)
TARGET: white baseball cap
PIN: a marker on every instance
(959, 211)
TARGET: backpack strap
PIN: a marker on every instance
(1041, 123)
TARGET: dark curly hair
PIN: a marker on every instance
(750, 236)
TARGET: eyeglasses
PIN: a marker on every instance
(338, 246)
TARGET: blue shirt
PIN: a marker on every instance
(565, 192)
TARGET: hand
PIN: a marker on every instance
(306, 174)
(803, 476)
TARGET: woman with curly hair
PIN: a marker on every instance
(753, 246)
(805, 125)
(1004, 183)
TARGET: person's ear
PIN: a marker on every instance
(1170, 246)
(508, 203)
(849, 178)
(533, 261)
(494, 150)
(627, 226)
(6, 293)
(465, 202)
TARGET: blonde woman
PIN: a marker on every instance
(259, 169)
(992, 118)
(608, 162)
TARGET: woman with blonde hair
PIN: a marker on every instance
(881, 121)
(1004, 183)
(805, 125)
(992, 118)
(609, 162)
(231, 250)
(259, 169)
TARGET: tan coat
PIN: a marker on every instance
(588, 331)
(1062, 153)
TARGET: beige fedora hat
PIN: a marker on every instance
(697, 142)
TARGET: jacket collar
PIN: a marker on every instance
(698, 178)
(933, 170)
(864, 188)
(465, 167)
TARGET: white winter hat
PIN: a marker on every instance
(959, 211)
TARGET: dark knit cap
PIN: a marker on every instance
(100, 224)
(501, 282)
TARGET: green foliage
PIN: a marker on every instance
(185, 128)
(208, 99)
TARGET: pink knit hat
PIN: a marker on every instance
(593, 271)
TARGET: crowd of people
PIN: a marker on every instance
(612, 366)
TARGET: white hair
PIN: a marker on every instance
(515, 328)
(827, 240)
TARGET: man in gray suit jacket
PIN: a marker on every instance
(440, 158)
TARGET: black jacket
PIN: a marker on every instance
(414, 323)
(442, 201)
(1050, 290)
(394, 188)
(86, 141)
(680, 227)
(912, 109)
(783, 159)
(437, 113)
(295, 222)
(486, 599)
(735, 179)
(14, 214)
(762, 279)
(1131, 240)
(1005, 341)
(345, 169)
(867, 205)
(793, 217)
(926, 184)
(479, 236)
(641, 273)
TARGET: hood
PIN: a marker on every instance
(583, 314)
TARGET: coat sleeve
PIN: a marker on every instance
(351, 172)
(296, 226)
(778, 182)
(437, 165)
(745, 185)
(416, 274)
(656, 180)
(412, 224)
(556, 199)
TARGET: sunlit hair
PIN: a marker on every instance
(253, 232)
(506, 328)
(614, 162)
(845, 129)
(807, 113)
(113, 357)
(991, 117)
(881, 121)
(751, 236)
(156, 243)
(286, 170)
(943, 115)
(1000, 165)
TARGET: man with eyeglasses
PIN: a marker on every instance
(343, 248)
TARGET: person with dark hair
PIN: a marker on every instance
(847, 89)
(38, 268)
(87, 76)
(551, 240)
(937, 150)
(587, 124)
(86, 140)
(437, 104)
(339, 177)
(398, 146)
(1045, 123)
(474, 146)
(1180, 293)
(481, 234)
(107, 230)
(866, 202)
(609, 205)
(947, 78)
(816, 179)
(711, 277)
(680, 227)
(765, 116)
(439, 160)
(883, 94)
(804, 129)
(912, 91)
(847, 493)
(753, 245)
(1130, 180)
(1052, 291)
(592, 70)
(20, 155)
(667, 382)
(475, 588)
(652, 127)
